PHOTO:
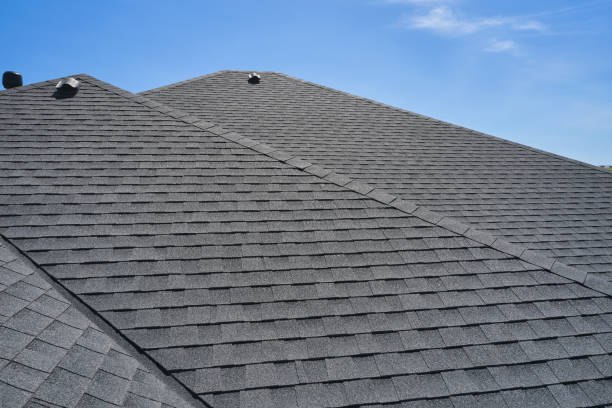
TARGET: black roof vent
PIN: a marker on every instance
(254, 78)
(11, 79)
(66, 88)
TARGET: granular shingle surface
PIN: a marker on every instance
(257, 284)
(51, 355)
(559, 207)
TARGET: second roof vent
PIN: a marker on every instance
(66, 88)
(68, 84)
(254, 78)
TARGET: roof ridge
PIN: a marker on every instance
(186, 81)
(556, 156)
(107, 328)
(33, 85)
(528, 255)
(175, 84)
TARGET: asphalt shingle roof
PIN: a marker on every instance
(53, 355)
(255, 278)
(559, 207)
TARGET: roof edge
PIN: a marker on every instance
(27, 87)
(533, 257)
(35, 85)
(556, 156)
(172, 85)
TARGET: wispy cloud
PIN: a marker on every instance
(443, 20)
(529, 25)
(502, 46)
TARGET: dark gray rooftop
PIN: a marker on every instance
(256, 279)
(53, 355)
(560, 207)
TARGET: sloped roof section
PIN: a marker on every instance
(53, 355)
(257, 279)
(557, 206)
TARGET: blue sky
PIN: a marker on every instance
(535, 72)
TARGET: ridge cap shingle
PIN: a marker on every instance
(531, 256)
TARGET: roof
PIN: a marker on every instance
(560, 207)
(52, 353)
(251, 277)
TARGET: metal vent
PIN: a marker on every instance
(68, 84)
(254, 78)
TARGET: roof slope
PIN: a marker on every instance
(256, 282)
(52, 355)
(557, 206)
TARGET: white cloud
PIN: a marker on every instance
(443, 20)
(529, 25)
(502, 46)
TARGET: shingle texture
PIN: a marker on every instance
(258, 284)
(556, 206)
(51, 355)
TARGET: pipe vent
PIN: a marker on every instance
(254, 78)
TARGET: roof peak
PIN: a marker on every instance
(381, 104)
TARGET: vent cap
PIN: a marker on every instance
(254, 78)
(68, 84)
(11, 79)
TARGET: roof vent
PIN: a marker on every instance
(11, 79)
(66, 88)
(68, 84)
(254, 78)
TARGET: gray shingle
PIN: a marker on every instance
(60, 334)
(82, 361)
(574, 369)
(12, 342)
(598, 391)
(108, 387)
(420, 386)
(21, 376)
(9, 304)
(29, 322)
(62, 388)
(538, 397)
(12, 397)
(569, 395)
